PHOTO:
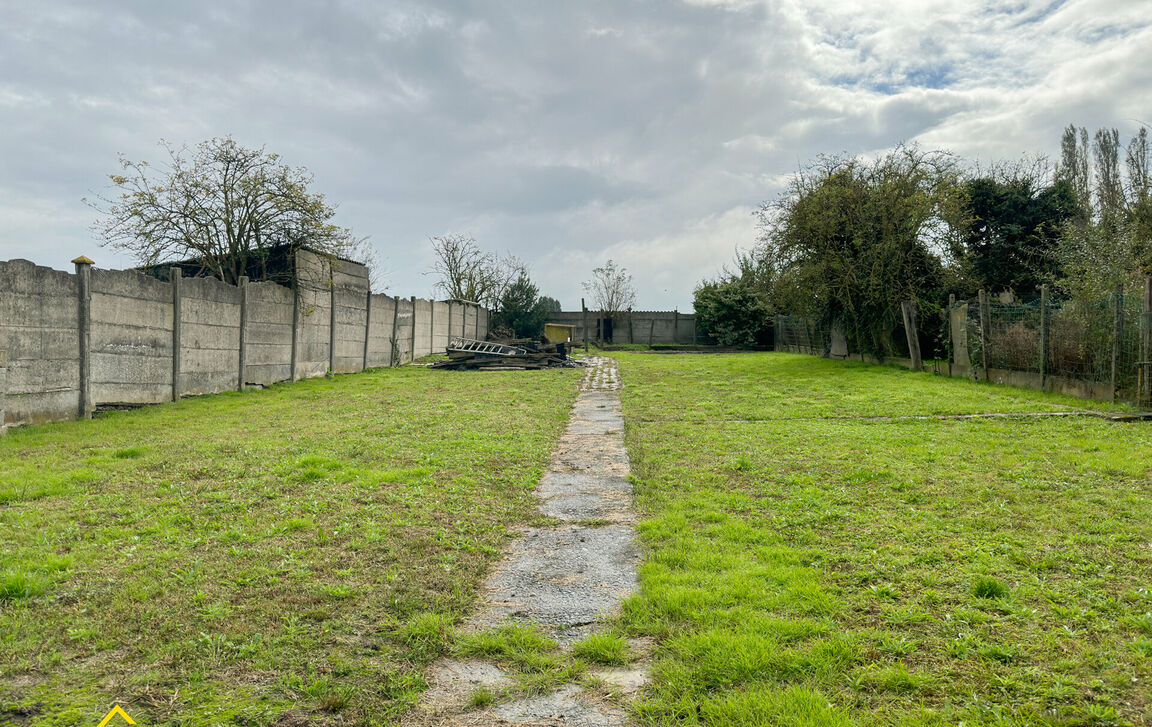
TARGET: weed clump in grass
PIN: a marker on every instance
(520, 645)
(481, 697)
(18, 584)
(426, 634)
(604, 649)
(989, 588)
(128, 453)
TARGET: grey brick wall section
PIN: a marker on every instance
(132, 331)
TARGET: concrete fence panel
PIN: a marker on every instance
(209, 336)
(403, 332)
(39, 340)
(69, 342)
(380, 331)
(351, 312)
(268, 340)
(470, 330)
(440, 323)
(131, 338)
(422, 336)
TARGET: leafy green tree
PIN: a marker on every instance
(731, 312)
(735, 308)
(1013, 227)
(1110, 241)
(851, 239)
(220, 203)
(522, 310)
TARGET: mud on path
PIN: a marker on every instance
(564, 579)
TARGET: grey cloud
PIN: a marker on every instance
(559, 131)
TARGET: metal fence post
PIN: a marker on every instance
(985, 330)
(1043, 336)
(1117, 335)
(1146, 343)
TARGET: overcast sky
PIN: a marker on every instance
(566, 133)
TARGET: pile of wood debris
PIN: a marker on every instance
(468, 353)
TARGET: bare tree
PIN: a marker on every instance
(221, 204)
(611, 288)
(466, 272)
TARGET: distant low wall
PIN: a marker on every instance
(647, 327)
(70, 342)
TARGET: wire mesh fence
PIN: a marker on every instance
(1105, 343)
(801, 335)
(1100, 341)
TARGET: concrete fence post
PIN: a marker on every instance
(477, 326)
(3, 388)
(584, 323)
(177, 324)
(651, 328)
(985, 330)
(431, 325)
(242, 364)
(1043, 335)
(908, 309)
(394, 339)
(84, 329)
(412, 350)
(675, 325)
(331, 321)
(295, 328)
(367, 329)
(1117, 336)
(631, 336)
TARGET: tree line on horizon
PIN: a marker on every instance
(850, 237)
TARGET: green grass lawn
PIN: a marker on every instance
(810, 571)
(264, 557)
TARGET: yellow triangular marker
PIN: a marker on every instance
(116, 711)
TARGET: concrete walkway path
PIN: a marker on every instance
(564, 579)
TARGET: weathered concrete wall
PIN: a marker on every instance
(422, 319)
(131, 333)
(380, 331)
(314, 333)
(662, 327)
(269, 335)
(39, 338)
(403, 331)
(131, 338)
(457, 319)
(210, 336)
(440, 312)
(350, 291)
